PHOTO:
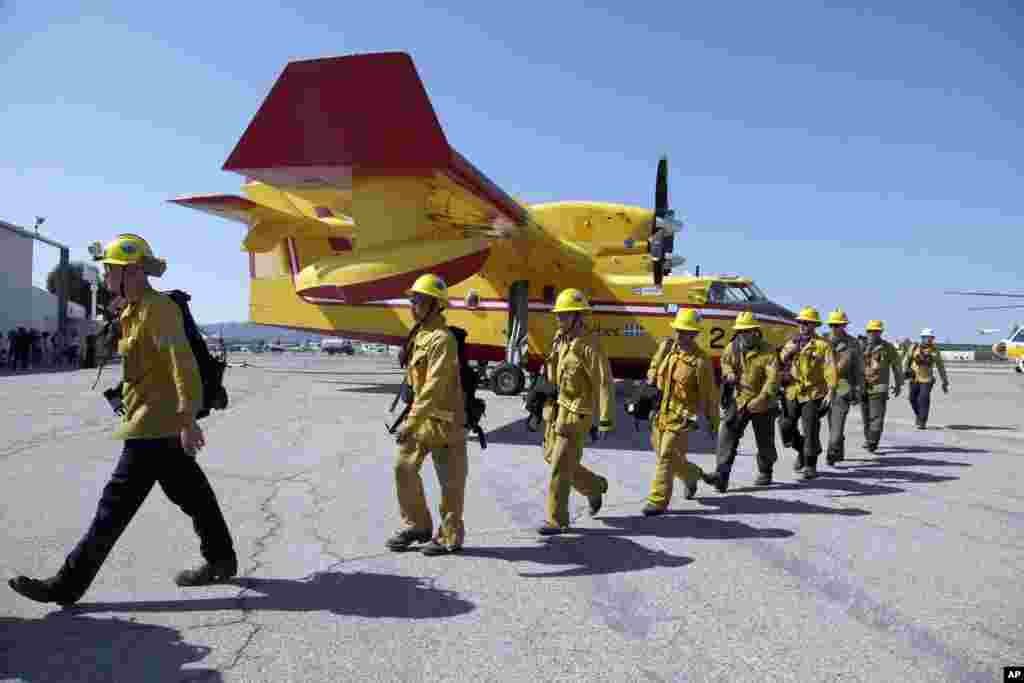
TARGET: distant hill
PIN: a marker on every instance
(249, 332)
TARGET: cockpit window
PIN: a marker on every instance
(1019, 337)
(731, 293)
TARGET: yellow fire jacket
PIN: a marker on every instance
(807, 368)
(583, 375)
(847, 362)
(756, 375)
(881, 364)
(688, 389)
(162, 389)
(922, 360)
(433, 373)
(663, 349)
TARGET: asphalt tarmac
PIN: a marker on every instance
(905, 565)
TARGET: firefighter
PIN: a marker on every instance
(918, 368)
(686, 379)
(847, 374)
(803, 362)
(582, 374)
(750, 381)
(162, 394)
(434, 425)
(881, 362)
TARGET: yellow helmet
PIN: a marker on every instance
(838, 317)
(129, 249)
(688, 319)
(571, 300)
(809, 314)
(746, 321)
(431, 285)
(873, 326)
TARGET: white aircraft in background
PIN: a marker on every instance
(1011, 348)
(988, 330)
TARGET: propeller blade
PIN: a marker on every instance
(660, 244)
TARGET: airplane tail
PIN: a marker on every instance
(326, 120)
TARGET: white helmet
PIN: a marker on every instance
(927, 332)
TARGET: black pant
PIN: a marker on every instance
(729, 437)
(921, 400)
(808, 444)
(837, 415)
(143, 463)
(872, 412)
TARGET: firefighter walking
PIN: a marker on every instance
(162, 394)
(686, 380)
(803, 362)
(582, 374)
(881, 366)
(847, 375)
(749, 396)
(434, 426)
(919, 368)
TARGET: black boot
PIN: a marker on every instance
(651, 510)
(47, 590)
(718, 480)
(208, 573)
(406, 537)
(763, 479)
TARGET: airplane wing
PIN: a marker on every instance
(267, 225)
(357, 136)
(1009, 295)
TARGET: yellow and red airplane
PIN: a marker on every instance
(352, 191)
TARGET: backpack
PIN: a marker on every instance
(475, 407)
(211, 369)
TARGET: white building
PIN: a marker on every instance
(21, 303)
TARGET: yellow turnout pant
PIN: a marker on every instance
(670, 449)
(446, 445)
(563, 450)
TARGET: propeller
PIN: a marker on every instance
(664, 226)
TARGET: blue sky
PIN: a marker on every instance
(869, 156)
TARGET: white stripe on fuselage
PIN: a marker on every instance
(658, 311)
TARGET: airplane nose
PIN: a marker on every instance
(999, 348)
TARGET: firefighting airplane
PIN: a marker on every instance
(1011, 348)
(352, 191)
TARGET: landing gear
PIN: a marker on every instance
(1020, 365)
(508, 379)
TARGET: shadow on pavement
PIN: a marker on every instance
(982, 428)
(597, 551)
(64, 647)
(363, 387)
(611, 554)
(361, 594)
(898, 461)
(733, 502)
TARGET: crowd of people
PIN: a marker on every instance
(24, 348)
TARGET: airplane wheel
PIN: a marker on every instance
(507, 380)
(1020, 365)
